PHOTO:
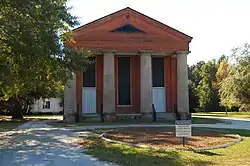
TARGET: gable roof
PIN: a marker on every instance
(128, 9)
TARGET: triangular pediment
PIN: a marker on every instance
(132, 22)
(128, 28)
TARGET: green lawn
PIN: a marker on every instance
(121, 122)
(238, 154)
(56, 117)
(8, 125)
(97, 123)
(196, 120)
(30, 117)
(236, 115)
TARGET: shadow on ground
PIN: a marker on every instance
(207, 153)
(125, 155)
(42, 146)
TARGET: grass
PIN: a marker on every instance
(124, 122)
(235, 115)
(9, 125)
(196, 120)
(6, 122)
(56, 117)
(96, 123)
(238, 154)
(164, 137)
(30, 117)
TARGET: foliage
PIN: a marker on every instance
(33, 61)
(225, 83)
(222, 71)
(235, 83)
(194, 79)
(203, 90)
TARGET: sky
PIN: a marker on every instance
(216, 26)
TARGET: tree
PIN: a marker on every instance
(235, 84)
(33, 61)
(194, 79)
(222, 58)
(205, 84)
(203, 90)
(222, 71)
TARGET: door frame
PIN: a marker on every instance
(90, 87)
(163, 87)
(117, 86)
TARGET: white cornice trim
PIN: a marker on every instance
(140, 52)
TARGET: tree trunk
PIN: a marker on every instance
(16, 109)
(25, 107)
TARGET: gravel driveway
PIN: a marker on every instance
(36, 144)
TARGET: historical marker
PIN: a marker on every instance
(183, 129)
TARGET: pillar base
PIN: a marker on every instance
(185, 115)
(110, 118)
(165, 116)
(147, 116)
(69, 118)
(160, 116)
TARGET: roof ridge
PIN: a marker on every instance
(133, 10)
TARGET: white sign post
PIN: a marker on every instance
(183, 129)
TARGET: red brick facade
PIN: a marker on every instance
(97, 36)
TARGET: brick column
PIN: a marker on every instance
(109, 85)
(182, 86)
(146, 83)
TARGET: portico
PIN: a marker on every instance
(138, 62)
